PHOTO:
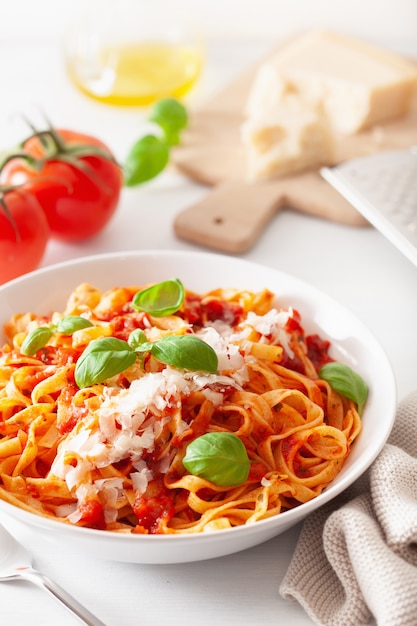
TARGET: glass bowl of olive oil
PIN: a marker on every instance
(127, 53)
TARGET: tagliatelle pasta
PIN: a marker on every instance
(110, 455)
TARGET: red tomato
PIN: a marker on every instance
(23, 234)
(77, 187)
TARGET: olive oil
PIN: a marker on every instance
(138, 73)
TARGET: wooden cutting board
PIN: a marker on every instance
(234, 213)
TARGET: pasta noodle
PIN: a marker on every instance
(110, 455)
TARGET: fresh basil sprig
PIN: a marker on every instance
(186, 352)
(102, 359)
(346, 382)
(68, 324)
(145, 160)
(107, 357)
(149, 156)
(171, 116)
(138, 341)
(218, 457)
(39, 337)
(35, 340)
(164, 298)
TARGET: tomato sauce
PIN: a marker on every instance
(317, 350)
(92, 514)
(153, 508)
(197, 311)
(123, 325)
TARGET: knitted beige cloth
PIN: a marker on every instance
(356, 560)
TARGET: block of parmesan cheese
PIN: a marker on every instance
(356, 84)
(346, 85)
(286, 139)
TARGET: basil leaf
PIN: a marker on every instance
(186, 352)
(219, 457)
(69, 324)
(36, 339)
(138, 342)
(102, 359)
(39, 337)
(164, 298)
(346, 382)
(146, 159)
(171, 116)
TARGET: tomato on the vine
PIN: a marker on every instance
(73, 176)
(24, 233)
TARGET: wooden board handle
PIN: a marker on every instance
(233, 215)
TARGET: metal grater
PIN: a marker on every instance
(383, 187)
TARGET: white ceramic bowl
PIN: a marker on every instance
(47, 289)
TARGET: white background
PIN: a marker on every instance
(391, 22)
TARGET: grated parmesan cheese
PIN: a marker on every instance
(272, 324)
(130, 419)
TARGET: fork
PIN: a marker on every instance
(16, 564)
